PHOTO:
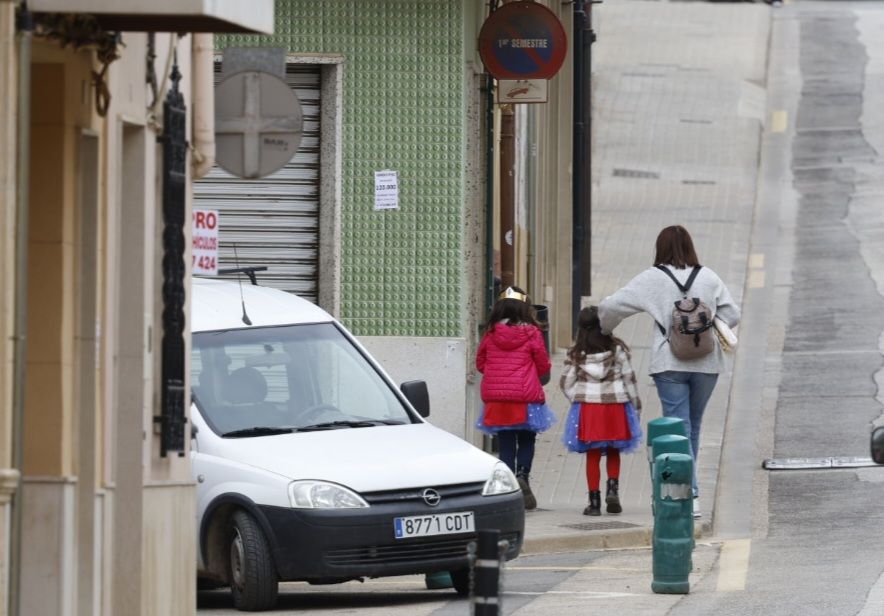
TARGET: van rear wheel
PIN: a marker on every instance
(252, 574)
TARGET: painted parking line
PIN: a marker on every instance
(589, 594)
(756, 260)
(733, 565)
(779, 121)
(574, 568)
(756, 279)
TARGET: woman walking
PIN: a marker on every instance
(684, 381)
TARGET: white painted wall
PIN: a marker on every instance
(441, 362)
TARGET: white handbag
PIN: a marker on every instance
(726, 336)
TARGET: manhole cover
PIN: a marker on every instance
(795, 464)
(600, 525)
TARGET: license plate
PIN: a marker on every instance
(434, 524)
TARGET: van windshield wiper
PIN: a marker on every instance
(257, 431)
(333, 425)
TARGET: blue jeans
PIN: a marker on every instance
(517, 449)
(684, 395)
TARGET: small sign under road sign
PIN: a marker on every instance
(522, 90)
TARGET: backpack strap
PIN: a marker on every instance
(690, 281)
(684, 288)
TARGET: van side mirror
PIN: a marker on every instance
(878, 445)
(416, 393)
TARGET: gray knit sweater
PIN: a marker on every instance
(652, 291)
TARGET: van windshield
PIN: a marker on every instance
(267, 380)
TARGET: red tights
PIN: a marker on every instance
(593, 467)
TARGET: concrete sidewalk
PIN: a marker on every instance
(678, 110)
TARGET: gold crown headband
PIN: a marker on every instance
(511, 293)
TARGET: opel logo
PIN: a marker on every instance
(431, 497)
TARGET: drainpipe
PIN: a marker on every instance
(25, 27)
(202, 61)
(489, 194)
(507, 196)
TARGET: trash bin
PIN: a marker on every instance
(542, 313)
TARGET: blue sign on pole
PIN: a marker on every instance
(522, 40)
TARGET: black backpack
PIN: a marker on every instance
(690, 335)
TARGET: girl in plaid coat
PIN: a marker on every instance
(605, 408)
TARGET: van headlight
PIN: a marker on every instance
(502, 481)
(323, 495)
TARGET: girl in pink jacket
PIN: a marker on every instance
(512, 358)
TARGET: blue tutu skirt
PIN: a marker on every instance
(540, 419)
(573, 443)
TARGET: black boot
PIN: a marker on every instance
(595, 504)
(527, 494)
(612, 496)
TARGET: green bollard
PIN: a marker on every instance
(659, 427)
(437, 580)
(670, 443)
(673, 536)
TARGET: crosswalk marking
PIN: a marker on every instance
(733, 565)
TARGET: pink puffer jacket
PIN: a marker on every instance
(512, 358)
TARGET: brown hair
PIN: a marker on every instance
(590, 339)
(514, 310)
(676, 248)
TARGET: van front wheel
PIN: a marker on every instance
(252, 574)
(460, 579)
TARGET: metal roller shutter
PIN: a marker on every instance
(274, 221)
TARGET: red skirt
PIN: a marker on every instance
(603, 422)
(505, 413)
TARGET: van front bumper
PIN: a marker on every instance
(333, 545)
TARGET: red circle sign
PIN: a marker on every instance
(522, 40)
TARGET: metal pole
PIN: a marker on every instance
(507, 196)
(489, 192)
(588, 40)
(25, 28)
(581, 249)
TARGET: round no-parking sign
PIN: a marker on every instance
(522, 40)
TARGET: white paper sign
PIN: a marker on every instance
(386, 190)
(205, 242)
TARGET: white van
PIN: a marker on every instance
(310, 464)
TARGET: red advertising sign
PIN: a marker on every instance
(522, 40)
(205, 243)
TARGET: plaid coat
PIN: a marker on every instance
(605, 378)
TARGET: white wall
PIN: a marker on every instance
(441, 362)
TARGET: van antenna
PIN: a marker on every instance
(245, 316)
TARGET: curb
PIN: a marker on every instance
(602, 540)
